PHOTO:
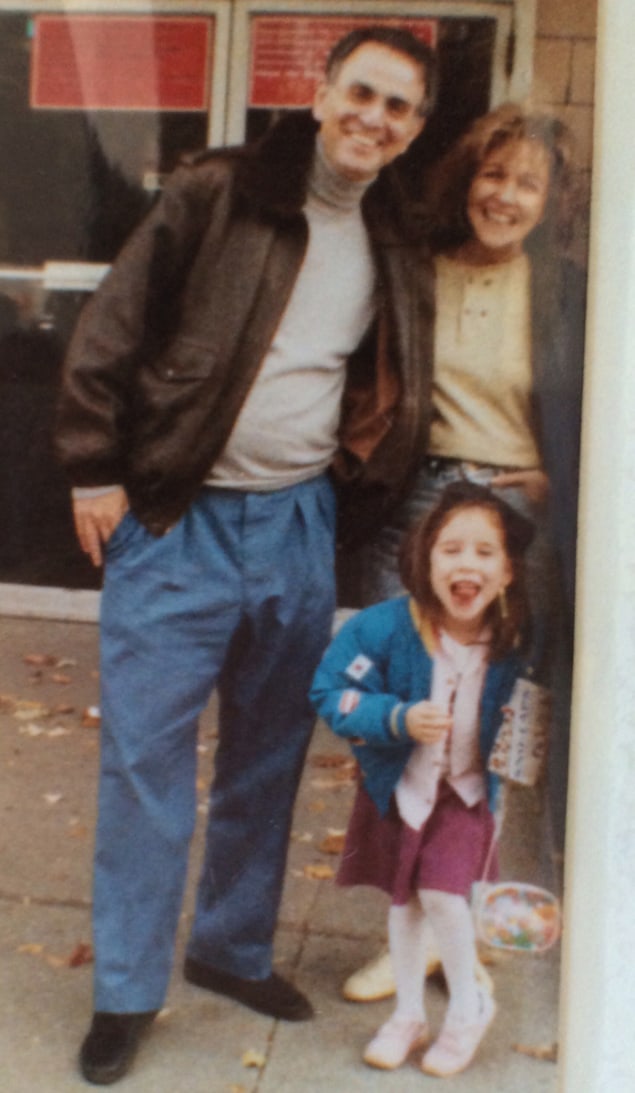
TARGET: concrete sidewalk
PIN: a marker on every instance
(203, 1043)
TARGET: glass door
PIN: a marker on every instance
(98, 101)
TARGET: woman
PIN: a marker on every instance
(507, 386)
(507, 383)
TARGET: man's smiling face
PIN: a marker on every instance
(370, 110)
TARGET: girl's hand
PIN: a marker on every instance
(535, 483)
(427, 723)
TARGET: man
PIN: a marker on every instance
(269, 319)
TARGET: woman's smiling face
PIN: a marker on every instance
(507, 198)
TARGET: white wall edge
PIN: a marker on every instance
(597, 1047)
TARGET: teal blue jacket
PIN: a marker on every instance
(375, 668)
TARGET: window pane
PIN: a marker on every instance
(74, 182)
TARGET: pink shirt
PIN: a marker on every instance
(458, 674)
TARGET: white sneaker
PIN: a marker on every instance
(394, 1042)
(376, 981)
(458, 1042)
(372, 982)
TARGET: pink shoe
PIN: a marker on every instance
(458, 1043)
(394, 1041)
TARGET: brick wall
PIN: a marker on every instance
(564, 74)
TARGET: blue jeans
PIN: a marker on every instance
(381, 578)
(239, 595)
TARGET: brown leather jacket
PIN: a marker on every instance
(168, 347)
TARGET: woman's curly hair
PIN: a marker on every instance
(448, 184)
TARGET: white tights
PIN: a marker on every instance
(449, 919)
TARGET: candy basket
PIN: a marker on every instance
(515, 916)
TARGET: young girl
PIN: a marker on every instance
(417, 684)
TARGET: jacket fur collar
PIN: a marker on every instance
(272, 179)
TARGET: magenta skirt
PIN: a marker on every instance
(448, 855)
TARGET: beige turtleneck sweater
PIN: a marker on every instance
(286, 431)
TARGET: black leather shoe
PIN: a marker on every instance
(111, 1044)
(272, 996)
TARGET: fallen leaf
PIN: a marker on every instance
(59, 677)
(26, 710)
(31, 730)
(51, 959)
(318, 871)
(63, 708)
(332, 760)
(52, 798)
(254, 1058)
(58, 730)
(546, 1052)
(81, 954)
(78, 831)
(66, 662)
(302, 836)
(317, 806)
(234, 1088)
(40, 660)
(341, 778)
(333, 843)
(55, 961)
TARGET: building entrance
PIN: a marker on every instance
(98, 102)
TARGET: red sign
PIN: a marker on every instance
(94, 62)
(289, 53)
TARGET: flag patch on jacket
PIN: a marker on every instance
(359, 667)
(349, 701)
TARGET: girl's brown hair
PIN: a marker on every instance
(509, 625)
(449, 182)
